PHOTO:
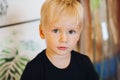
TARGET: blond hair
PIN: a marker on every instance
(54, 9)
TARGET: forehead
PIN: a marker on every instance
(65, 21)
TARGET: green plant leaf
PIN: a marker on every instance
(11, 64)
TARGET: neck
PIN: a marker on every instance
(60, 61)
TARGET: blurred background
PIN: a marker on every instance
(20, 41)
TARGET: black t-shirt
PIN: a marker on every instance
(40, 68)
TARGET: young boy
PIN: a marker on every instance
(61, 26)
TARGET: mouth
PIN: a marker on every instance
(62, 48)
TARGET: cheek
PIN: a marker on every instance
(74, 40)
(77, 38)
(50, 39)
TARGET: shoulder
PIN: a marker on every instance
(80, 56)
(82, 59)
(35, 68)
(87, 65)
(36, 63)
(38, 59)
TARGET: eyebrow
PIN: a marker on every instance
(74, 27)
(57, 26)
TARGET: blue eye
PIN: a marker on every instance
(72, 32)
(55, 30)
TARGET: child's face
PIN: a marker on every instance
(62, 36)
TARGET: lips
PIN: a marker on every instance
(62, 48)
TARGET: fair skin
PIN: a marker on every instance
(61, 38)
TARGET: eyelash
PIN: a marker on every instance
(55, 30)
(70, 31)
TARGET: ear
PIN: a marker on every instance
(41, 31)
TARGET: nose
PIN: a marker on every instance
(63, 37)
